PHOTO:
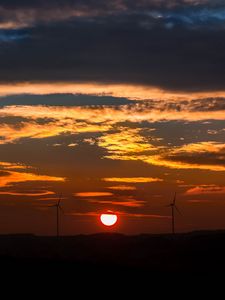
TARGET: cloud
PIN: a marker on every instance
(122, 188)
(187, 12)
(129, 145)
(48, 121)
(201, 147)
(185, 162)
(27, 194)
(206, 189)
(9, 178)
(202, 155)
(125, 214)
(75, 93)
(125, 142)
(25, 14)
(132, 179)
(93, 194)
(134, 45)
(119, 142)
(11, 133)
(128, 202)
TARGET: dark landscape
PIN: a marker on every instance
(189, 253)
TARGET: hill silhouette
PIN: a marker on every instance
(195, 253)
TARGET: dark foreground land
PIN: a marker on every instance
(191, 253)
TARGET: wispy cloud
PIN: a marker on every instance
(126, 202)
(120, 213)
(120, 142)
(126, 142)
(93, 194)
(9, 178)
(206, 189)
(188, 12)
(130, 91)
(201, 147)
(122, 188)
(27, 194)
(132, 179)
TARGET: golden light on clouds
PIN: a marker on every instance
(122, 188)
(74, 119)
(33, 130)
(128, 201)
(121, 213)
(126, 141)
(124, 144)
(15, 177)
(93, 194)
(12, 25)
(132, 179)
(201, 147)
(206, 189)
(130, 91)
(179, 164)
(9, 178)
(27, 194)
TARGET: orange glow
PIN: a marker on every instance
(132, 179)
(108, 219)
(93, 194)
(130, 91)
(12, 178)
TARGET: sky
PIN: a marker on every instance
(116, 105)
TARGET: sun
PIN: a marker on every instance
(108, 219)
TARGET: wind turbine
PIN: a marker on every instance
(58, 208)
(173, 208)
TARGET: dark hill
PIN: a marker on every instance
(194, 253)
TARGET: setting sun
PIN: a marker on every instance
(108, 219)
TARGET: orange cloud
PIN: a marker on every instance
(11, 134)
(107, 116)
(126, 141)
(132, 179)
(201, 147)
(151, 216)
(130, 91)
(93, 194)
(43, 193)
(206, 189)
(125, 214)
(12, 177)
(122, 188)
(127, 144)
(160, 160)
(129, 202)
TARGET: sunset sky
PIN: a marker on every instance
(117, 105)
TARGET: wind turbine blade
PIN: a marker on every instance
(60, 198)
(178, 210)
(174, 199)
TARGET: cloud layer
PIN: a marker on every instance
(177, 45)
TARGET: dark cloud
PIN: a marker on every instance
(117, 50)
(24, 13)
(213, 159)
(171, 44)
(205, 153)
(63, 100)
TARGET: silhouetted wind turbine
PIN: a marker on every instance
(58, 208)
(173, 208)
